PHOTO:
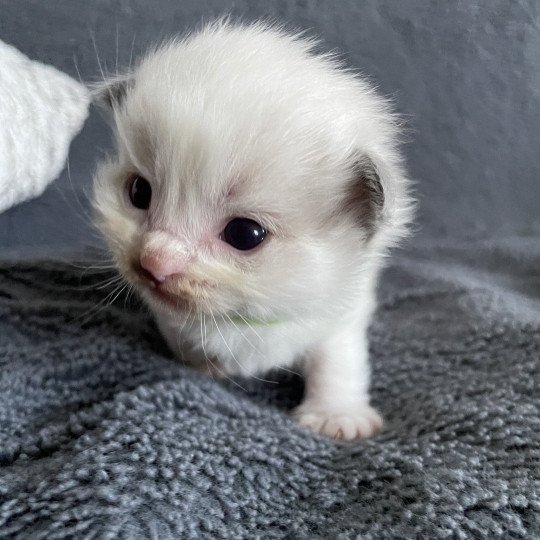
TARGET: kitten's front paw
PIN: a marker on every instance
(348, 423)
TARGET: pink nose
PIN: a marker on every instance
(160, 265)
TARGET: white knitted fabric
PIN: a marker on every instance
(41, 110)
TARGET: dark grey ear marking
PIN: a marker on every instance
(365, 195)
(113, 93)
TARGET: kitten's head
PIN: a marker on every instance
(253, 177)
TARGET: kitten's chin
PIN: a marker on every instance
(165, 301)
(163, 298)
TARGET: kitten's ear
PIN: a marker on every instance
(111, 93)
(364, 195)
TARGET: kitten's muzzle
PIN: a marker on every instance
(179, 290)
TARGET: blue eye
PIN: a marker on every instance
(243, 234)
(140, 192)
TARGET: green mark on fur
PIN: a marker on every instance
(252, 321)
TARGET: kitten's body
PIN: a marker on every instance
(245, 122)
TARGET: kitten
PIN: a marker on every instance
(255, 192)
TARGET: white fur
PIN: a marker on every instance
(41, 110)
(253, 111)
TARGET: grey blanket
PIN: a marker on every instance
(104, 435)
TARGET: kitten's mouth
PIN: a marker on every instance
(180, 293)
(180, 296)
(171, 300)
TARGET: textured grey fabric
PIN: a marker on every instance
(104, 436)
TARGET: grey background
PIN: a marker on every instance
(465, 75)
(101, 432)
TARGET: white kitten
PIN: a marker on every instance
(256, 190)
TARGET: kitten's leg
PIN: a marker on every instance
(336, 399)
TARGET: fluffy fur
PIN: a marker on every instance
(249, 121)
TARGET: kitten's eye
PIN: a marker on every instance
(243, 233)
(140, 192)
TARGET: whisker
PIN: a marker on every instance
(287, 370)
(186, 321)
(241, 333)
(95, 271)
(116, 55)
(77, 69)
(249, 325)
(232, 354)
(93, 37)
(258, 350)
(104, 284)
(222, 372)
(204, 348)
(212, 365)
(106, 267)
(131, 290)
(131, 52)
(100, 306)
(118, 294)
